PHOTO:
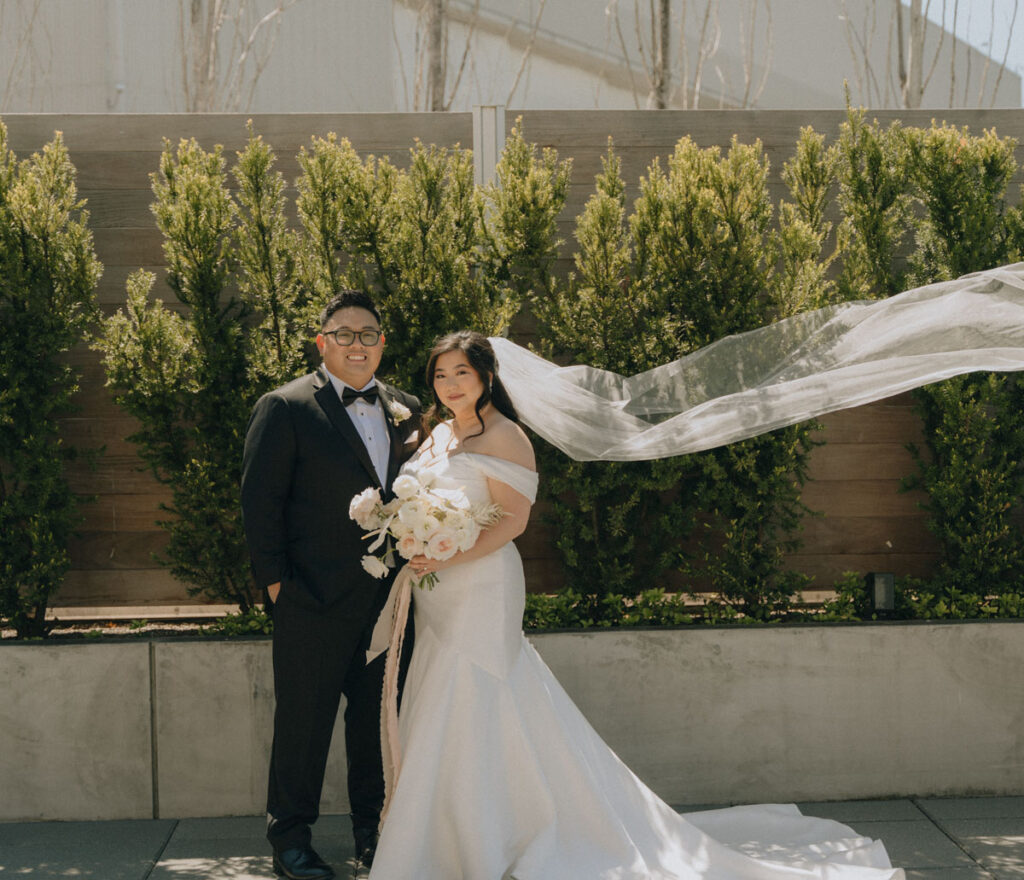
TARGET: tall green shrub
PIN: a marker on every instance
(973, 469)
(191, 375)
(48, 275)
(697, 260)
(617, 524)
(875, 200)
(437, 252)
(924, 205)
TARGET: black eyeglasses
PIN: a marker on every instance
(344, 336)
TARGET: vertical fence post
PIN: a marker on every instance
(488, 141)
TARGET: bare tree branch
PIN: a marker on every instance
(614, 5)
(22, 50)
(526, 51)
(470, 32)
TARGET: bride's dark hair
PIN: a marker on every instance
(481, 357)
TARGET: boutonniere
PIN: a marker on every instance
(399, 412)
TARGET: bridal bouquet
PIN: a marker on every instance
(421, 519)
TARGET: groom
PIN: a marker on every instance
(311, 446)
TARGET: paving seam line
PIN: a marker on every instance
(163, 848)
(961, 846)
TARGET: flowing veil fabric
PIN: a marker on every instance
(745, 385)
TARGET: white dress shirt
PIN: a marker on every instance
(370, 422)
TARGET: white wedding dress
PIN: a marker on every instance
(502, 778)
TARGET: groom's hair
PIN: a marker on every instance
(346, 299)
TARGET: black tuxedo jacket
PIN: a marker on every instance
(303, 463)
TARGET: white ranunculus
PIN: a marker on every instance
(443, 544)
(406, 486)
(363, 508)
(374, 567)
(409, 546)
(426, 527)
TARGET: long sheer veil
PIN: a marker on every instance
(741, 386)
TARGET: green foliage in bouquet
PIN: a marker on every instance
(698, 259)
(190, 373)
(48, 276)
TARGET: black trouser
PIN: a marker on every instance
(317, 657)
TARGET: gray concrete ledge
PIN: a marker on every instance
(172, 729)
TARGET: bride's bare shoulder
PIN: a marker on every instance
(505, 439)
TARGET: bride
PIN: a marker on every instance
(502, 778)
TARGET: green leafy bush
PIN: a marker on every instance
(697, 259)
(945, 188)
(48, 276)
(436, 252)
(191, 375)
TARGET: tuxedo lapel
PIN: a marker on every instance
(395, 445)
(335, 410)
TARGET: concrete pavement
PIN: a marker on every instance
(933, 838)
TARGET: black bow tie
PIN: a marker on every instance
(350, 395)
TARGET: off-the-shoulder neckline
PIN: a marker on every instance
(449, 455)
(452, 455)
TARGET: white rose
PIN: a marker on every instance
(453, 498)
(413, 512)
(399, 529)
(443, 544)
(399, 412)
(409, 546)
(426, 477)
(374, 567)
(406, 486)
(457, 519)
(426, 527)
(466, 535)
(363, 508)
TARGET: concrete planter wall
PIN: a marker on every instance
(703, 715)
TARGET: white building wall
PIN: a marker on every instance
(360, 55)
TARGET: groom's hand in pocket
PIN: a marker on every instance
(273, 591)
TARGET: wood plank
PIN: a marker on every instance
(91, 432)
(858, 535)
(132, 513)
(113, 475)
(863, 498)
(103, 551)
(129, 247)
(574, 128)
(145, 131)
(149, 586)
(867, 461)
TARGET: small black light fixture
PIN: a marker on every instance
(881, 588)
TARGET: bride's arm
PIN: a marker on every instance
(516, 510)
(511, 444)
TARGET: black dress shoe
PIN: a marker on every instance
(366, 845)
(301, 864)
